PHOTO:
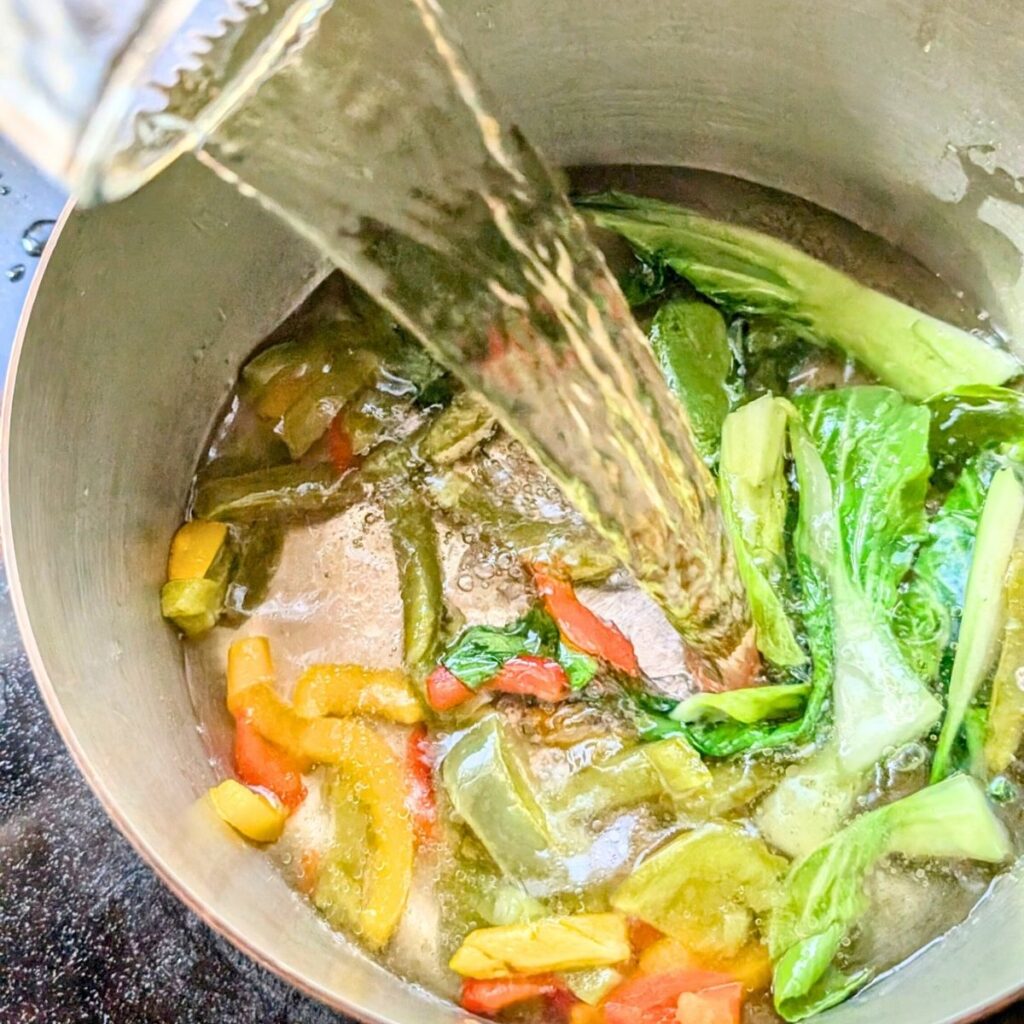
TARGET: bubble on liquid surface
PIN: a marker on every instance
(35, 237)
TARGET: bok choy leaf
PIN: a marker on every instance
(825, 893)
(747, 272)
(754, 498)
(691, 345)
(862, 466)
(984, 608)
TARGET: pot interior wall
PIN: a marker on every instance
(900, 114)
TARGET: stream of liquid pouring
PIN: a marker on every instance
(372, 140)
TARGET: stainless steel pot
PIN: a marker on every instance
(904, 115)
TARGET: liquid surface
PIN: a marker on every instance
(335, 596)
(375, 143)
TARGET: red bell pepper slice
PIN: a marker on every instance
(339, 444)
(420, 770)
(490, 997)
(580, 626)
(534, 676)
(720, 1005)
(653, 999)
(445, 690)
(259, 763)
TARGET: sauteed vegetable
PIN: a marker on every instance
(488, 758)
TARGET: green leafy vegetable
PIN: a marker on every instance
(927, 618)
(862, 466)
(825, 893)
(1005, 727)
(984, 607)
(747, 272)
(966, 420)
(754, 499)
(747, 706)
(479, 653)
(690, 343)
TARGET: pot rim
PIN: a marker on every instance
(150, 856)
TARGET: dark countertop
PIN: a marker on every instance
(87, 932)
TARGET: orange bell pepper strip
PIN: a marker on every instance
(654, 999)
(580, 626)
(261, 764)
(422, 798)
(534, 676)
(365, 760)
(491, 997)
(445, 690)
(354, 690)
(339, 444)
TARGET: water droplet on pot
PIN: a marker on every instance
(16, 273)
(35, 237)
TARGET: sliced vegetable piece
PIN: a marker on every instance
(367, 764)
(984, 607)
(705, 888)
(194, 549)
(480, 652)
(261, 764)
(692, 348)
(258, 547)
(457, 430)
(248, 812)
(491, 997)
(326, 394)
(580, 626)
(420, 769)
(280, 490)
(825, 893)
(747, 272)
(654, 999)
(592, 985)
(533, 676)
(339, 445)
(550, 944)
(753, 704)
(650, 771)
(492, 789)
(446, 691)
(414, 538)
(192, 605)
(1006, 710)
(330, 689)
(754, 500)
(722, 1004)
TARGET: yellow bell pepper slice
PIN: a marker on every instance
(537, 947)
(354, 690)
(248, 812)
(194, 548)
(367, 763)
